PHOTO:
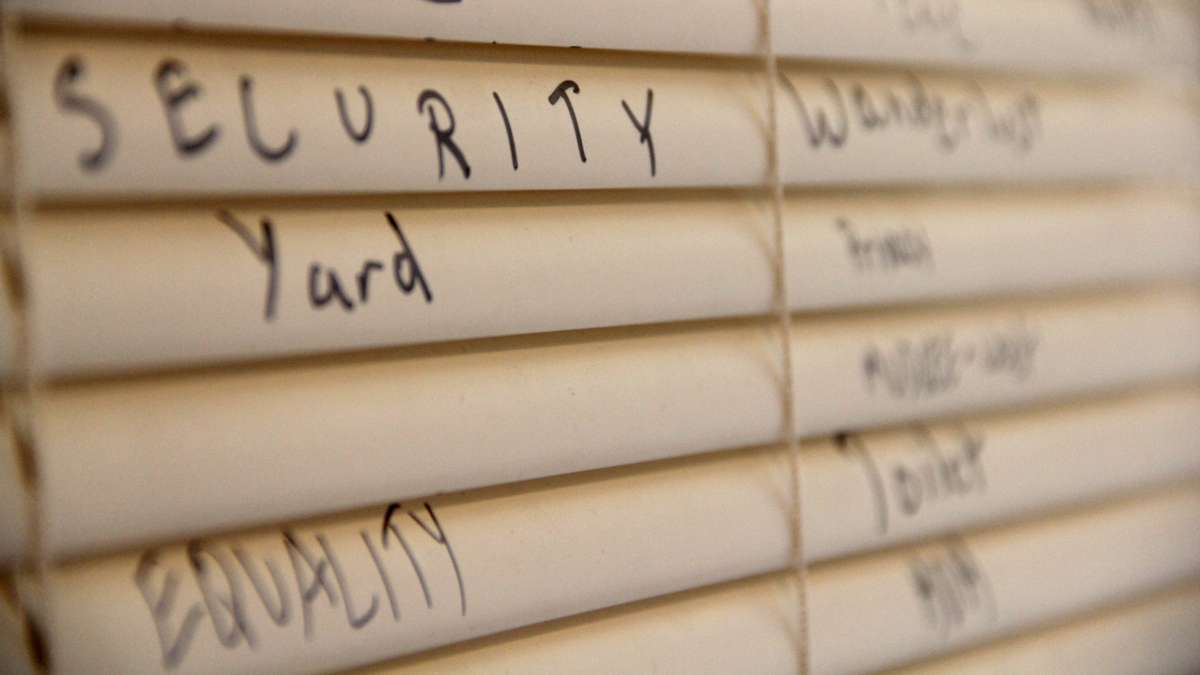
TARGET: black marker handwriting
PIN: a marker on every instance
(560, 93)
(508, 131)
(442, 135)
(357, 135)
(843, 110)
(260, 147)
(173, 100)
(69, 100)
(227, 581)
(643, 127)
(263, 249)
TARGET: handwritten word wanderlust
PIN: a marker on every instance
(229, 580)
(834, 117)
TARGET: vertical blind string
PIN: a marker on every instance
(19, 391)
(782, 308)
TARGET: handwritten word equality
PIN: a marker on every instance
(233, 584)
